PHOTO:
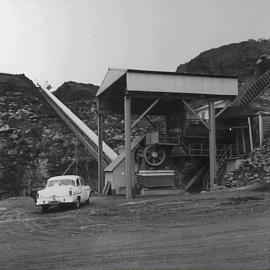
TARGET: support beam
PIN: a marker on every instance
(195, 113)
(243, 138)
(236, 141)
(212, 144)
(128, 173)
(144, 113)
(261, 129)
(168, 120)
(114, 126)
(250, 134)
(149, 121)
(101, 179)
(228, 104)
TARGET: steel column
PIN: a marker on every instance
(128, 173)
(250, 134)
(212, 144)
(236, 141)
(261, 129)
(243, 138)
(100, 153)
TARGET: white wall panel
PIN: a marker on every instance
(146, 82)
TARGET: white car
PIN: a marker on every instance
(65, 189)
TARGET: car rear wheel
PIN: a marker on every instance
(44, 208)
(77, 203)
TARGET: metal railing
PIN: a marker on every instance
(202, 149)
(169, 139)
(224, 153)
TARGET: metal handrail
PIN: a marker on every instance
(224, 153)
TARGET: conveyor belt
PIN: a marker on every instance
(86, 136)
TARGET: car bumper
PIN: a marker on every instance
(54, 201)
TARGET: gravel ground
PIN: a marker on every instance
(222, 230)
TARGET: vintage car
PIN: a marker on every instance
(60, 190)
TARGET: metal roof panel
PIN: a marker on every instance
(111, 76)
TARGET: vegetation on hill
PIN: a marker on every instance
(232, 59)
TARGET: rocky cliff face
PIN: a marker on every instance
(34, 142)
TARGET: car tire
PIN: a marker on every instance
(44, 208)
(77, 204)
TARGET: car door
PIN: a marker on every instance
(84, 195)
(78, 187)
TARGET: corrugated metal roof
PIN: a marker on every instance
(171, 82)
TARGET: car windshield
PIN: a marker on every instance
(61, 182)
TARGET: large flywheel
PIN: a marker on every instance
(154, 154)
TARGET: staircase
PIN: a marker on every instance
(197, 176)
(254, 90)
(222, 155)
(190, 169)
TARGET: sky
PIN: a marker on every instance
(78, 40)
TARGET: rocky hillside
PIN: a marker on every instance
(34, 142)
(70, 91)
(233, 59)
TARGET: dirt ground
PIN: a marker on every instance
(222, 230)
